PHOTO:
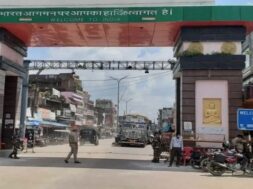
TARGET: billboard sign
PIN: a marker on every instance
(100, 3)
(245, 119)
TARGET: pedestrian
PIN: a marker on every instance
(30, 142)
(25, 141)
(156, 145)
(73, 143)
(17, 144)
(176, 148)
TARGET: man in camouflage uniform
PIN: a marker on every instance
(17, 144)
(156, 144)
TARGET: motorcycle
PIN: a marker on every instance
(200, 158)
(207, 159)
(196, 158)
(228, 161)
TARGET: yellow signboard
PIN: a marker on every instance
(212, 111)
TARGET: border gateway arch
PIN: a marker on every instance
(206, 39)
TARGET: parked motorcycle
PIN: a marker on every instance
(207, 159)
(228, 161)
(196, 158)
(201, 158)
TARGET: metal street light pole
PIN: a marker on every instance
(127, 103)
(118, 81)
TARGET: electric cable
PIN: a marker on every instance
(124, 84)
(110, 86)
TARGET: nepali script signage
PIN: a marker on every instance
(90, 15)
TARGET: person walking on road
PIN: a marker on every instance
(17, 144)
(73, 143)
(176, 148)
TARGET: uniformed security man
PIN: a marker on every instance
(156, 144)
(17, 144)
(73, 143)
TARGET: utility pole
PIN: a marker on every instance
(118, 82)
(127, 103)
(34, 107)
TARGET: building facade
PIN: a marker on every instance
(61, 82)
(248, 72)
(106, 113)
(63, 95)
(165, 117)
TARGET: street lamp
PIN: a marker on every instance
(127, 103)
(118, 81)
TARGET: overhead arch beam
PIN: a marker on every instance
(100, 65)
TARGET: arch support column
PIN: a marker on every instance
(209, 69)
(12, 73)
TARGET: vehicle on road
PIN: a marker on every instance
(134, 130)
(89, 134)
(132, 133)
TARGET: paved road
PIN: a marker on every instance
(106, 167)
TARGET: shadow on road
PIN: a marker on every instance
(93, 163)
(229, 174)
